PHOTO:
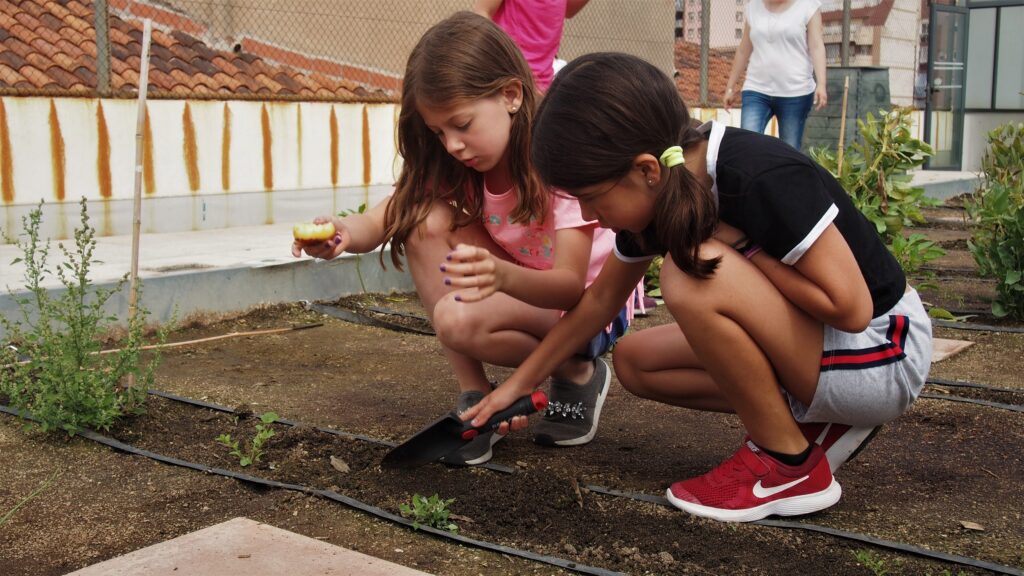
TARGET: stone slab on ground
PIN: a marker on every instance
(244, 546)
(943, 348)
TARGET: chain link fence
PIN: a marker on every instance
(339, 50)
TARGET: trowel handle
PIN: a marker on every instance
(523, 407)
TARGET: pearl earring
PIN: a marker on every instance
(650, 182)
(513, 109)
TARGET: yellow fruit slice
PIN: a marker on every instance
(309, 233)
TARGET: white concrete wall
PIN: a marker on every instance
(279, 161)
(976, 128)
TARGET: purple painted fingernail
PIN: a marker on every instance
(444, 268)
(458, 298)
(448, 282)
(448, 257)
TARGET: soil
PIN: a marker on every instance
(945, 476)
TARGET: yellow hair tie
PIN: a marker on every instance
(672, 156)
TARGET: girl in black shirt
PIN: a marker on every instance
(789, 310)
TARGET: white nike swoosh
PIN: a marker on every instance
(761, 492)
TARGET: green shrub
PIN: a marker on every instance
(997, 210)
(65, 382)
(875, 173)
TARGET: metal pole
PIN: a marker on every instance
(140, 125)
(705, 44)
(844, 48)
(102, 25)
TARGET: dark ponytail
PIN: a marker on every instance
(601, 112)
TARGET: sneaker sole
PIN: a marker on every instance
(792, 506)
(847, 447)
(597, 413)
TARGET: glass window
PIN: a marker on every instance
(980, 56)
(1010, 67)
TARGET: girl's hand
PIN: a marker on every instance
(820, 97)
(728, 99)
(474, 272)
(502, 397)
(327, 249)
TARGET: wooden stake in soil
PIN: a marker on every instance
(842, 128)
(147, 33)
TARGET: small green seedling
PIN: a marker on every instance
(871, 561)
(431, 512)
(263, 433)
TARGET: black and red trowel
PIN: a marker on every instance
(449, 433)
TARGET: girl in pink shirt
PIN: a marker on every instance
(494, 256)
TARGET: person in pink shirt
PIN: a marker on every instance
(535, 26)
(496, 258)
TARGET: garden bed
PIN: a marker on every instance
(945, 476)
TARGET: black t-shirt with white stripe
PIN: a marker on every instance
(783, 201)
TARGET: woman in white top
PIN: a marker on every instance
(783, 53)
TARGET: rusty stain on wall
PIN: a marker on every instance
(191, 149)
(148, 162)
(268, 162)
(225, 152)
(6, 161)
(57, 153)
(334, 148)
(103, 153)
(299, 132)
(366, 146)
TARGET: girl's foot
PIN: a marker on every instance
(478, 450)
(573, 410)
(752, 485)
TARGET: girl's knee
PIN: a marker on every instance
(624, 360)
(436, 226)
(457, 324)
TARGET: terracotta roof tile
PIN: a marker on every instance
(50, 44)
(687, 59)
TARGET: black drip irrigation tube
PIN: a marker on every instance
(355, 318)
(972, 385)
(637, 496)
(331, 495)
(977, 327)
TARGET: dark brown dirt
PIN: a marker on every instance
(941, 465)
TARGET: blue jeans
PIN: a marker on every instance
(791, 113)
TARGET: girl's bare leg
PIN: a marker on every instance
(499, 330)
(746, 338)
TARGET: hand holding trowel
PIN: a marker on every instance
(449, 433)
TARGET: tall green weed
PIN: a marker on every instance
(55, 370)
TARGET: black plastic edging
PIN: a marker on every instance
(331, 495)
(349, 316)
(989, 403)
(965, 384)
(976, 327)
(874, 541)
(662, 501)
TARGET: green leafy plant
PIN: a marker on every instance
(254, 451)
(431, 511)
(359, 257)
(871, 561)
(913, 252)
(56, 371)
(997, 211)
(875, 173)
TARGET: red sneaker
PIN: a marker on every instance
(752, 485)
(840, 442)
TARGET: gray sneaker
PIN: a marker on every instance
(478, 450)
(573, 411)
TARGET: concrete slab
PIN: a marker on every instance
(943, 348)
(243, 546)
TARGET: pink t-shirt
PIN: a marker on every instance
(533, 244)
(536, 27)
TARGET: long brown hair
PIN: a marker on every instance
(460, 59)
(601, 112)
